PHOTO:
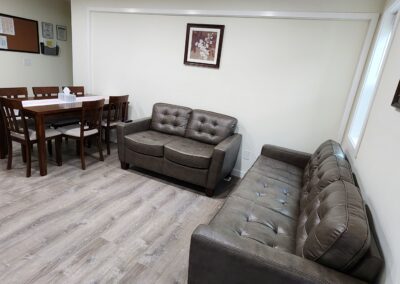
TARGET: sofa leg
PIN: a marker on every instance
(124, 165)
(209, 192)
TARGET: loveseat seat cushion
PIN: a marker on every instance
(333, 229)
(148, 142)
(171, 119)
(190, 153)
(274, 192)
(255, 223)
(210, 127)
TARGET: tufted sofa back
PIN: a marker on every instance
(210, 127)
(333, 229)
(327, 165)
(171, 119)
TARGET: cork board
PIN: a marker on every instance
(25, 37)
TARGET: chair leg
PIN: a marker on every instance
(50, 147)
(58, 151)
(82, 152)
(23, 151)
(100, 147)
(10, 153)
(107, 134)
(28, 161)
(78, 145)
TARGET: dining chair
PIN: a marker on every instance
(45, 92)
(90, 126)
(78, 91)
(116, 112)
(18, 131)
(14, 93)
(21, 92)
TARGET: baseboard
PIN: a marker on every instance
(238, 173)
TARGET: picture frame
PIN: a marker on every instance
(47, 30)
(61, 32)
(203, 45)
(396, 98)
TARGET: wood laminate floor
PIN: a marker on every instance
(101, 225)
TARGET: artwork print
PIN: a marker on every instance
(203, 45)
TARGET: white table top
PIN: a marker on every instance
(46, 102)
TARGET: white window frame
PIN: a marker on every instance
(387, 28)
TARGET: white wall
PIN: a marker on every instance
(286, 81)
(44, 70)
(377, 164)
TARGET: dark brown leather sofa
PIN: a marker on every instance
(196, 146)
(294, 218)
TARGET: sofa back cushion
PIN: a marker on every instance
(171, 119)
(210, 127)
(333, 229)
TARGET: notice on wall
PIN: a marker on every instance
(3, 42)
(7, 26)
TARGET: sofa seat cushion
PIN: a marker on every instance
(279, 171)
(148, 142)
(257, 224)
(189, 153)
(270, 193)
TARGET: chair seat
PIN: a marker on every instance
(112, 123)
(148, 142)
(50, 133)
(189, 153)
(75, 131)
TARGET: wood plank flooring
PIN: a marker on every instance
(101, 225)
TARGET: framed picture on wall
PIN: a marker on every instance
(396, 99)
(47, 30)
(61, 33)
(203, 45)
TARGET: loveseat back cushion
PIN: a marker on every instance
(333, 230)
(210, 127)
(171, 119)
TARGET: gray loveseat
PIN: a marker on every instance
(196, 146)
(294, 218)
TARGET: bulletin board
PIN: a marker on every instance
(18, 34)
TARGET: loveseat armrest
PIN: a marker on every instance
(126, 128)
(223, 160)
(222, 256)
(293, 157)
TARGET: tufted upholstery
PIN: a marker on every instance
(333, 228)
(171, 119)
(210, 127)
(164, 144)
(255, 223)
(295, 203)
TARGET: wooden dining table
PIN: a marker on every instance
(46, 109)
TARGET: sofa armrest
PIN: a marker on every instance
(222, 256)
(293, 157)
(223, 160)
(126, 128)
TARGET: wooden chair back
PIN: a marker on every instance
(14, 123)
(117, 109)
(45, 92)
(78, 91)
(14, 93)
(91, 116)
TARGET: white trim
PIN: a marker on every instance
(388, 16)
(372, 19)
(238, 173)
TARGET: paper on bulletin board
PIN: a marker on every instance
(3, 42)
(7, 26)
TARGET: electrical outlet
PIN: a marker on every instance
(246, 155)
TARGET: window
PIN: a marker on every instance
(371, 81)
